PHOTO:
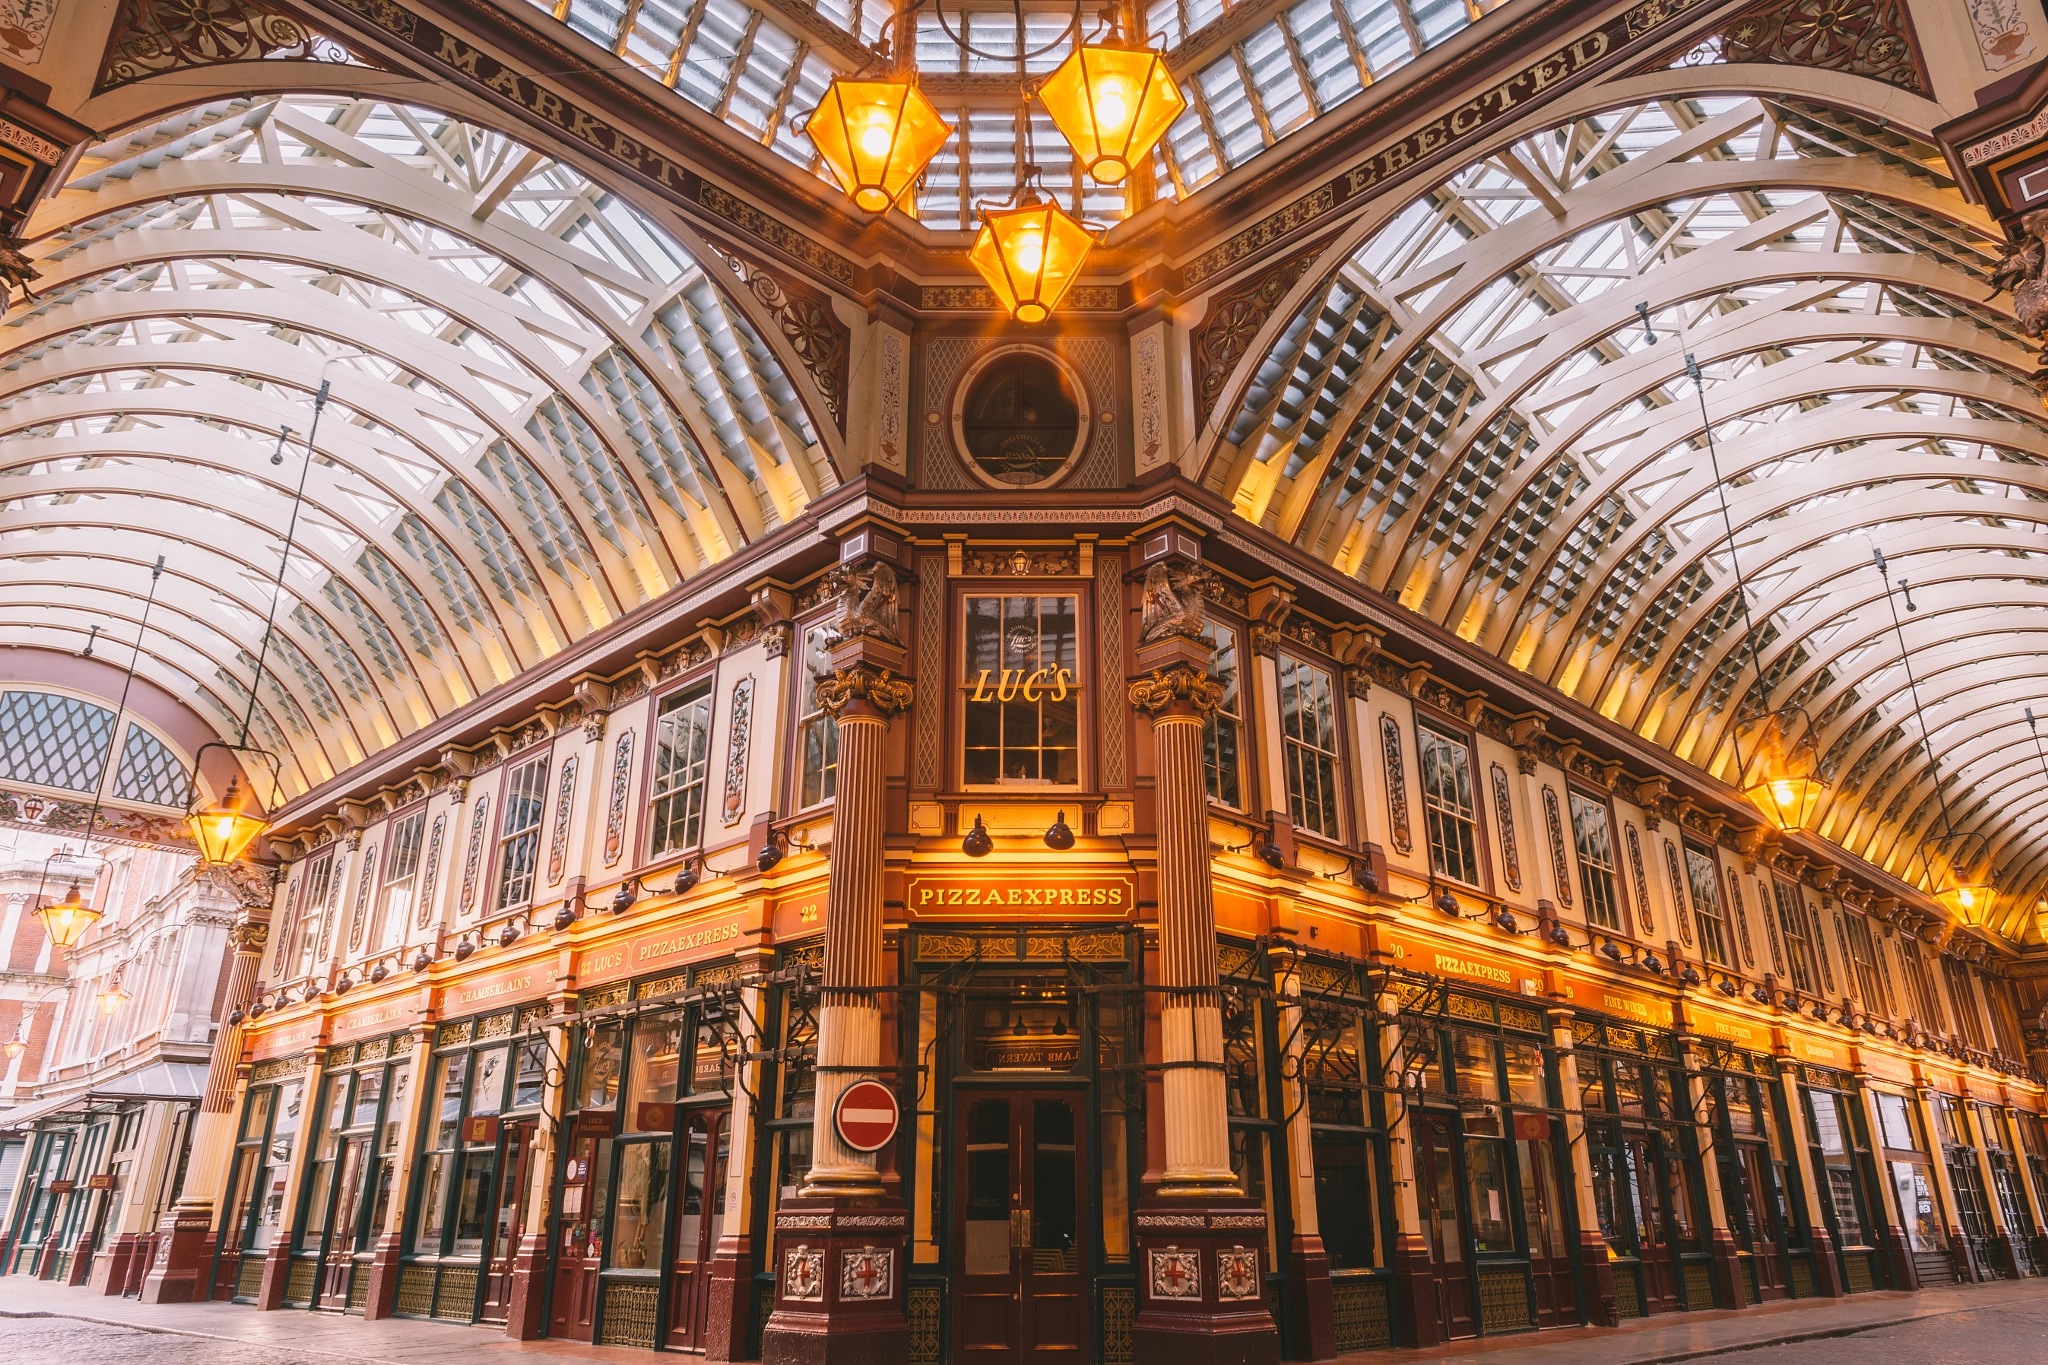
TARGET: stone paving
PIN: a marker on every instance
(1996, 1324)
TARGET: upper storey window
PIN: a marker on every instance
(1022, 682)
(682, 758)
(1308, 731)
(817, 734)
(1592, 834)
(1703, 876)
(1449, 808)
(1220, 733)
(519, 839)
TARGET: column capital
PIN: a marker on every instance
(1178, 687)
(864, 688)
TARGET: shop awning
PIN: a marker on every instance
(157, 1081)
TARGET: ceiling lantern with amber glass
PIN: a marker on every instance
(1112, 104)
(1781, 768)
(877, 136)
(1030, 254)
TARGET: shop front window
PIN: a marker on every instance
(284, 1132)
(1022, 681)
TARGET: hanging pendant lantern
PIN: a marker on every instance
(1968, 899)
(1781, 768)
(1112, 104)
(224, 828)
(877, 136)
(67, 920)
(113, 997)
(1030, 254)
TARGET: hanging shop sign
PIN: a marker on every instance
(459, 998)
(103, 1181)
(665, 946)
(866, 1115)
(63, 1186)
(1532, 1127)
(480, 1128)
(1034, 891)
(286, 1040)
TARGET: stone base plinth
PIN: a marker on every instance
(840, 1266)
(1202, 1284)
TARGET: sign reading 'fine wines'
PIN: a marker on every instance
(1022, 891)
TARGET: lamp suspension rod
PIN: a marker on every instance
(1913, 689)
(121, 708)
(284, 559)
(1699, 388)
(2039, 752)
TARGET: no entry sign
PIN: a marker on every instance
(866, 1115)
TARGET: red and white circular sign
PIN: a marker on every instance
(866, 1116)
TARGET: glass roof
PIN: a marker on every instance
(1253, 70)
(1473, 416)
(544, 414)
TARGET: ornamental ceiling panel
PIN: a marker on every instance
(1253, 72)
(544, 413)
(1485, 413)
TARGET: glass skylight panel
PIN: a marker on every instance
(1273, 77)
(1325, 52)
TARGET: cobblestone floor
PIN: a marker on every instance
(1998, 1324)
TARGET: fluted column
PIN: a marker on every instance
(1179, 699)
(1202, 1243)
(861, 700)
(184, 1248)
(1601, 1306)
(840, 1247)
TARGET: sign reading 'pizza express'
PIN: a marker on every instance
(1022, 891)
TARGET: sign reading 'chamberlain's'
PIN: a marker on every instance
(1022, 891)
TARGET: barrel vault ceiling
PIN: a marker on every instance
(543, 414)
(1470, 414)
(546, 413)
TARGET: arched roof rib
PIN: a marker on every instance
(1462, 409)
(545, 411)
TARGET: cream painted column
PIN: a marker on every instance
(183, 1254)
(861, 698)
(1179, 698)
(1937, 1161)
(1601, 1307)
(1826, 1268)
(1414, 1277)
(1730, 1288)
(419, 1105)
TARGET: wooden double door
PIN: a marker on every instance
(1494, 1214)
(1020, 1226)
(1760, 1209)
(345, 1233)
(700, 1220)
